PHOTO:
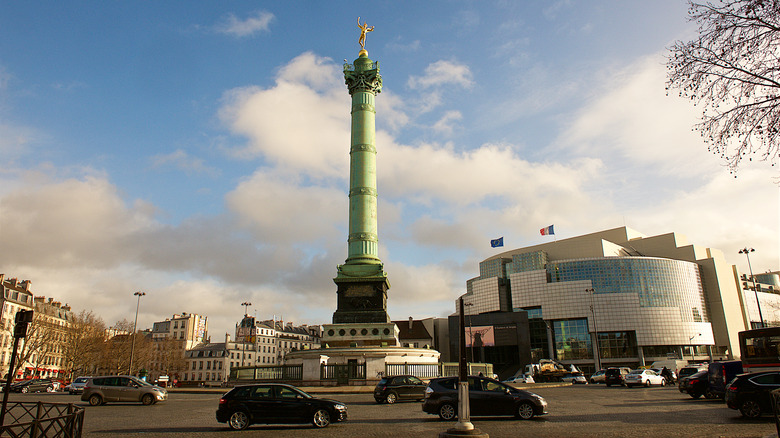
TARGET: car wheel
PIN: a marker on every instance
(750, 409)
(592, 381)
(525, 411)
(239, 420)
(647, 383)
(608, 385)
(448, 412)
(694, 395)
(710, 395)
(629, 386)
(147, 399)
(95, 400)
(49, 389)
(391, 398)
(321, 418)
(25, 390)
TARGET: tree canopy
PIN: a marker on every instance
(732, 71)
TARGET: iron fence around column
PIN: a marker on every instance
(422, 371)
(343, 372)
(274, 373)
(43, 420)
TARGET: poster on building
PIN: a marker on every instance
(481, 336)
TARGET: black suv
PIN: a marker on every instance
(752, 393)
(696, 385)
(487, 397)
(616, 376)
(394, 388)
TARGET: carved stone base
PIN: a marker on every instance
(361, 301)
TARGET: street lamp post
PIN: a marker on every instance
(471, 336)
(693, 349)
(246, 305)
(139, 294)
(595, 329)
(747, 252)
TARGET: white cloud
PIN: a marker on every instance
(183, 161)
(258, 22)
(444, 124)
(293, 125)
(442, 73)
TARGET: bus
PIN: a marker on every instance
(760, 349)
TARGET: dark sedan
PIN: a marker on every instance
(33, 385)
(275, 403)
(487, 397)
(696, 385)
(752, 393)
(394, 388)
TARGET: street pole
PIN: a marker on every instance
(693, 349)
(747, 252)
(595, 329)
(246, 305)
(471, 336)
(139, 294)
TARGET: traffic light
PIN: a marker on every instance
(23, 317)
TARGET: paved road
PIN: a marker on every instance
(577, 411)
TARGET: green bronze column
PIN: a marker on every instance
(361, 280)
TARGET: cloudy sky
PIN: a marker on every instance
(198, 151)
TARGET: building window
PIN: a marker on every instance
(572, 340)
(617, 344)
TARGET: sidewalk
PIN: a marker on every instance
(362, 389)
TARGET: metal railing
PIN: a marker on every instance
(343, 372)
(279, 372)
(43, 420)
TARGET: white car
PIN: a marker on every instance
(520, 379)
(574, 378)
(643, 377)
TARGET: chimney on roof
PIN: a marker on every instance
(411, 322)
(66, 307)
(26, 285)
(50, 300)
(12, 281)
(2, 278)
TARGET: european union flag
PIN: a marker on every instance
(497, 242)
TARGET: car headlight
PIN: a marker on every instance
(340, 407)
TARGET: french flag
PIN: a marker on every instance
(547, 230)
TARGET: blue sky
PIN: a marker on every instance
(198, 151)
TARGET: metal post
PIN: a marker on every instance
(139, 294)
(464, 413)
(471, 336)
(595, 329)
(8, 380)
(747, 252)
(246, 305)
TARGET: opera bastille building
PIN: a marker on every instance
(638, 298)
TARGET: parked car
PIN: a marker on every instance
(523, 378)
(394, 388)
(487, 397)
(100, 390)
(752, 393)
(598, 376)
(670, 377)
(276, 403)
(33, 385)
(696, 385)
(615, 375)
(643, 377)
(691, 369)
(575, 378)
(721, 373)
(77, 385)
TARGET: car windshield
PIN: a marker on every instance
(80, 380)
(635, 372)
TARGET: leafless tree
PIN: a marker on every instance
(83, 344)
(732, 71)
(40, 341)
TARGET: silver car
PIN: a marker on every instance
(77, 385)
(100, 390)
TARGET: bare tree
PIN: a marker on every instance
(732, 71)
(83, 344)
(41, 340)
